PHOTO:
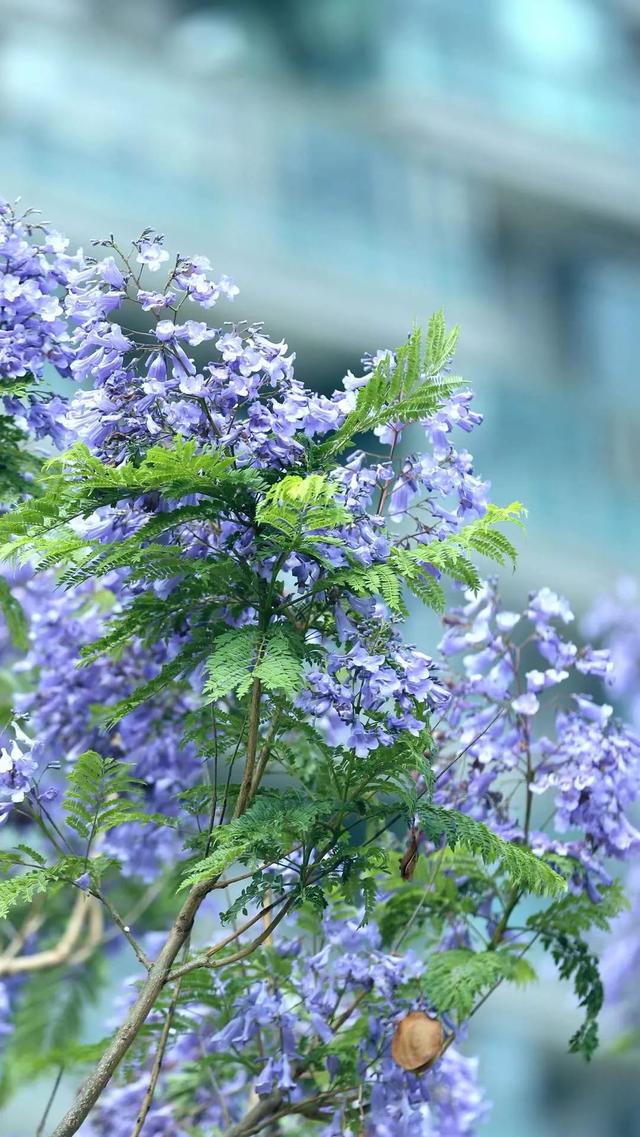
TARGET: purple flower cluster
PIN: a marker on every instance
(364, 698)
(61, 711)
(511, 667)
(440, 485)
(149, 387)
(17, 767)
(37, 277)
(614, 620)
(271, 1024)
(593, 766)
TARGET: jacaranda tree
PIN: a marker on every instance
(321, 849)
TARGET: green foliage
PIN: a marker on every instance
(17, 464)
(264, 833)
(576, 961)
(15, 617)
(301, 508)
(280, 661)
(231, 668)
(77, 483)
(526, 871)
(48, 1022)
(450, 557)
(481, 536)
(376, 580)
(19, 890)
(177, 472)
(16, 891)
(560, 929)
(455, 979)
(405, 389)
(573, 913)
(101, 794)
(241, 655)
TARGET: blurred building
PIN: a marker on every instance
(355, 164)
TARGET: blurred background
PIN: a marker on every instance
(355, 164)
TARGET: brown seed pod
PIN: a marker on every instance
(410, 858)
(417, 1042)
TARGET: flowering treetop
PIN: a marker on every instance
(219, 705)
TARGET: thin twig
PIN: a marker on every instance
(141, 956)
(157, 1063)
(50, 1101)
(207, 960)
(477, 738)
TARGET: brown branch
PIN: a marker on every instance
(160, 971)
(95, 1083)
(346, 1014)
(311, 1107)
(33, 922)
(273, 1108)
(207, 960)
(141, 956)
(265, 752)
(244, 795)
(261, 1114)
(157, 1063)
(52, 957)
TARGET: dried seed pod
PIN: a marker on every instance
(417, 1042)
(410, 858)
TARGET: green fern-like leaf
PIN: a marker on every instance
(77, 483)
(527, 872)
(241, 655)
(101, 793)
(413, 569)
(15, 617)
(231, 667)
(21, 889)
(561, 929)
(403, 389)
(302, 508)
(421, 566)
(455, 979)
(281, 661)
(18, 890)
(375, 580)
(265, 832)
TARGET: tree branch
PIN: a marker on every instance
(160, 971)
(157, 1063)
(252, 747)
(63, 950)
(97, 1080)
(206, 960)
(124, 928)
